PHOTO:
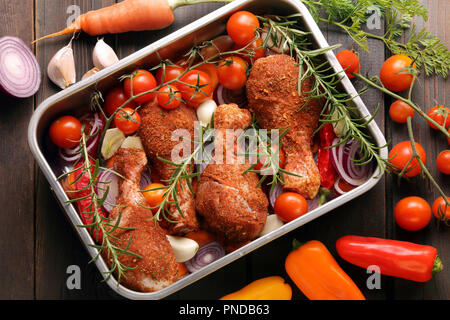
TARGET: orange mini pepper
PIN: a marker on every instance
(316, 273)
(271, 288)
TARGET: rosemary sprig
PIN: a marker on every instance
(425, 49)
(181, 172)
(100, 226)
(261, 150)
(337, 108)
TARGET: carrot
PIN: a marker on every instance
(128, 15)
(201, 237)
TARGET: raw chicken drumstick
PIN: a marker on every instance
(155, 131)
(272, 91)
(158, 268)
(232, 205)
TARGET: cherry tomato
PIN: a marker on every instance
(232, 72)
(196, 87)
(443, 162)
(400, 111)
(211, 70)
(242, 26)
(127, 120)
(253, 52)
(264, 163)
(171, 73)
(402, 153)
(448, 139)
(115, 99)
(65, 132)
(393, 73)
(349, 61)
(441, 115)
(169, 97)
(154, 197)
(440, 209)
(142, 81)
(412, 213)
(289, 206)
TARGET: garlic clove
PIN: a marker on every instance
(206, 111)
(132, 143)
(184, 249)
(61, 68)
(90, 73)
(273, 223)
(103, 55)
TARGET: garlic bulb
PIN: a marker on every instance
(103, 55)
(61, 68)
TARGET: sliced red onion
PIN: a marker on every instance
(110, 179)
(20, 75)
(274, 194)
(226, 96)
(338, 189)
(278, 190)
(74, 154)
(343, 158)
(205, 255)
(313, 204)
(146, 180)
(107, 179)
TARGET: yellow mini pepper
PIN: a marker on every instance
(271, 288)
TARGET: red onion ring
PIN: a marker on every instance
(278, 190)
(226, 96)
(107, 179)
(20, 75)
(205, 255)
(110, 179)
(72, 155)
(343, 158)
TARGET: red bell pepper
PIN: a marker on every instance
(85, 207)
(394, 258)
(324, 164)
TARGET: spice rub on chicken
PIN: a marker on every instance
(272, 91)
(156, 268)
(156, 131)
(232, 205)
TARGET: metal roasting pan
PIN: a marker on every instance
(206, 28)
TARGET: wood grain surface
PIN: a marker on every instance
(37, 243)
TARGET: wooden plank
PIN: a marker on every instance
(57, 246)
(16, 171)
(428, 92)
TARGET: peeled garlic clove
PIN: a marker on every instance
(112, 142)
(183, 248)
(61, 68)
(273, 222)
(206, 111)
(103, 55)
(90, 73)
(132, 143)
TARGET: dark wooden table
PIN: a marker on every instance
(37, 244)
